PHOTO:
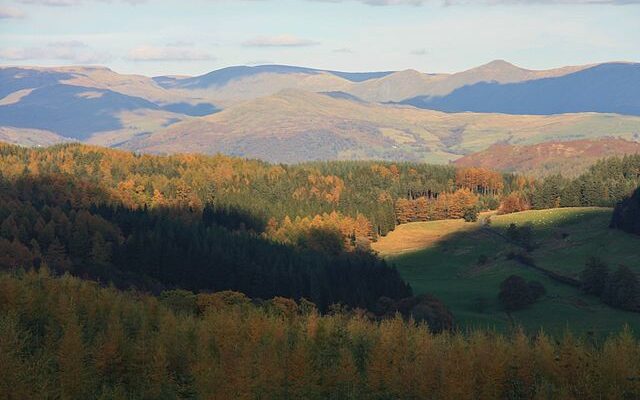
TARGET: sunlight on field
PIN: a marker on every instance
(442, 258)
(418, 235)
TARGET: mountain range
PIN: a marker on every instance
(293, 114)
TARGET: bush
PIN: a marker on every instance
(594, 276)
(471, 214)
(622, 290)
(626, 215)
(423, 308)
(513, 233)
(516, 293)
(514, 202)
(522, 235)
(536, 289)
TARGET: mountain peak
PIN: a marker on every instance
(498, 65)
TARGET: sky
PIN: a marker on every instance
(192, 37)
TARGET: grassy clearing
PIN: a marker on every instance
(441, 258)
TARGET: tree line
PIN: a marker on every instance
(65, 338)
(604, 184)
(45, 222)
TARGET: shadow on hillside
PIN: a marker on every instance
(80, 227)
(465, 268)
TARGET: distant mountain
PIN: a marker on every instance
(223, 76)
(410, 83)
(231, 85)
(569, 157)
(78, 102)
(295, 125)
(292, 114)
(30, 137)
(71, 111)
(607, 88)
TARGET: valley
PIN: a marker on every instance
(445, 259)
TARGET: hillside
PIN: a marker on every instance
(442, 258)
(78, 102)
(30, 137)
(110, 344)
(570, 157)
(230, 85)
(295, 125)
(294, 114)
(605, 88)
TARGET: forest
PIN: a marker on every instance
(211, 223)
(190, 276)
(70, 339)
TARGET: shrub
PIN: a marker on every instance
(471, 214)
(516, 293)
(594, 276)
(514, 202)
(622, 290)
(536, 289)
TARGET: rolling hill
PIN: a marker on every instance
(569, 158)
(293, 114)
(608, 88)
(78, 102)
(442, 258)
(294, 126)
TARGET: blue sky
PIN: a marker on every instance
(155, 37)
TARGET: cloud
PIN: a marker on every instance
(68, 3)
(73, 51)
(51, 3)
(168, 53)
(279, 41)
(11, 13)
(343, 50)
(550, 2)
(483, 2)
(419, 52)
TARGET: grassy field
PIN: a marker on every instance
(441, 258)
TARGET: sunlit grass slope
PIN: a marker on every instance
(441, 258)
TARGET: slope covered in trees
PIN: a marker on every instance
(69, 339)
(257, 188)
(604, 184)
(77, 209)
(626, 215)
(216, 223)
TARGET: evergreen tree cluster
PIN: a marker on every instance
(516, 293)
(604, 184)
(620, 289)
(626, 215)
(44, 221)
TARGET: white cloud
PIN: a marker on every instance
(168, 53)
(343, 50)
(67, 3)
(483, 2)
(11, 13)
(419, 52)
(73, 51)
(279, 41)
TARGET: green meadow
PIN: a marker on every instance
(448, 264)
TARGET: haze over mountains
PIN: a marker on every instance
(293, 114)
